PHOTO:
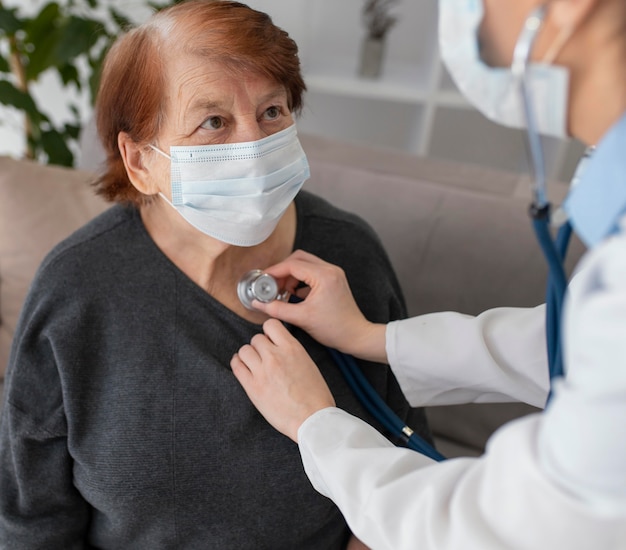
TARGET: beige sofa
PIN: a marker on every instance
(458, 236)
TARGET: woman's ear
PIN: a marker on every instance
(139, 173)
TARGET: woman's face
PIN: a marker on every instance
(500, 28)
(208, 104)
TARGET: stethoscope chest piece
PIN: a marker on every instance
(256, 285)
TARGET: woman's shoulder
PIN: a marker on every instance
(327, 218)
(80, 258)
(337, 235)
(91, 235)
(345, 239)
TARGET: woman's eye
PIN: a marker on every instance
(214, 123)
(272, 113)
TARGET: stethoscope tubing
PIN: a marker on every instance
(554, 252)
(377, 407)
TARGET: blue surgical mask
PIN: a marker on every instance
(237, 192)
(494, 91)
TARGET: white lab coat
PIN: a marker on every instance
(554, 480)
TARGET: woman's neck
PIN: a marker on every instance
(211, 264)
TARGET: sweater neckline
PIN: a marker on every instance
(199, 291)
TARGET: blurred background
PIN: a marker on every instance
(372, 69)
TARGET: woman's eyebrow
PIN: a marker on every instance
(205, 104)
(277, 93)
(209, 103)
(199, 107)
(202, 104)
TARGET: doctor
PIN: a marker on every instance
(555, 480)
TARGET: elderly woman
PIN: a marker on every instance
(124, 426)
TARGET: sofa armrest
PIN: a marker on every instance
(39, 206)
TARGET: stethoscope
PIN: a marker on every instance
(257, 285)
(554, 249)
(263, 287)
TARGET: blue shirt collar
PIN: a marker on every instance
(597, 202)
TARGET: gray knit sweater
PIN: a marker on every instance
(123, 425)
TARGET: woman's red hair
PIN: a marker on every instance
(131, 97)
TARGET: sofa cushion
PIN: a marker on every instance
(39, 206)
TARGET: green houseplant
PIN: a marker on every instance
(68, 37)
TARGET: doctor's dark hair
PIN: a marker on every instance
(132, 93)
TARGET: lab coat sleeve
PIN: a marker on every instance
(448, 358)
(397, 499)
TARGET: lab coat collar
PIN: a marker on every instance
(597, 202)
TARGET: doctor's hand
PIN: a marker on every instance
(280, 378)
(327, 311)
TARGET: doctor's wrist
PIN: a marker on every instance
(369, 343)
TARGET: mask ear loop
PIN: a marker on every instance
(156, 149)
(540, 207)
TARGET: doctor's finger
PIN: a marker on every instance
(288, 312)
(301, 257)
(302, 266)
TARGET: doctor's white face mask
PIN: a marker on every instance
(237, 192)
(494, 91)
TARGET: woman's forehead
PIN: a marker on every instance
(190, 74)
(196, 88)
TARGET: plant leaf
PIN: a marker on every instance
(37, 28)
(12, 96)
(43, 56)
(9, 22)
(120, 19)
(66, 40)
(56, 149)
(77, 37)
(72, 130)
(69, 73)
